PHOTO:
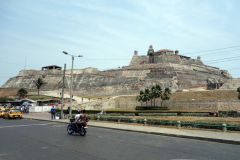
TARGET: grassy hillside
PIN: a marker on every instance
(10, 92)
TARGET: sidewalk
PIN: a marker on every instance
(214, 136)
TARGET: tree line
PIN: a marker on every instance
(155, 92)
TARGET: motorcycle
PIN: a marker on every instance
(72, 128)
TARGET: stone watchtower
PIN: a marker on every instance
(135, 53)
(176, 52)
(151, 54)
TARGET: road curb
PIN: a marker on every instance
(156, 133)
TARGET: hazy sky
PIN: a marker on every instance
(112, 29)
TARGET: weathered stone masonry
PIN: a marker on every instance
(164, 67)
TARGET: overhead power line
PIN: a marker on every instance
(224, 52)
(223, 59)
(213, 50)
(18, 64)
(232, 68)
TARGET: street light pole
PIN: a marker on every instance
(70, 111)
(63, 91)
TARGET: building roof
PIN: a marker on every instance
(184, 56)
(165, 50)
(52, 66)
(24, 100)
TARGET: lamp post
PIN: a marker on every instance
(70, 112)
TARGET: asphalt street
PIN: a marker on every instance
(31, 139)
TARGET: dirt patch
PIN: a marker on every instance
(96, 97)
(8, 92)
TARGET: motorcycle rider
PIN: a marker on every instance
(81, 120)
(77, 116)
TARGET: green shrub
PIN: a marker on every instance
(129, 114)
(196, 114)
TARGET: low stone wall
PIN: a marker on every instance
(40, 108)
(178, 105)
(187, 105)
(99, 104)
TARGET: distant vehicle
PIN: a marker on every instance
(12, 113)
(1, 112)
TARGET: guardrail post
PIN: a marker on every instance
(145, 122)
(224, 127)
(118, 121)
(178, 124)
(98, 118)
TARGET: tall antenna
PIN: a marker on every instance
(25, 62)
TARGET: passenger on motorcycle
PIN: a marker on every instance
(80, 120)
(77, 117)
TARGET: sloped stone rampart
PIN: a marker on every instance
(126, 88)
(231, 84)
(56, 72)
(137, 60)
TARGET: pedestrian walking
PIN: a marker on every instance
(89, 99)
(60, 94)
(53, 112)
(68, 109)
(82, 99)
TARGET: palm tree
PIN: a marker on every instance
(39, 83)
(159, 91)
(22, 93)
(166, 95)
(156, 91)
(140, 97)
(152, 94)
(146, 95)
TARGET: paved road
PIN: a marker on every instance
(31, 139)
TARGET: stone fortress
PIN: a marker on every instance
(164, 67)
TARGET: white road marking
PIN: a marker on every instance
(26, 125)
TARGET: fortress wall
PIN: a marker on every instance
(190, 61)
(231, 84)
(167, 58)
(87, 81)
(124, 88)
(186, 104)
(135, 73)
(55, 71)
(20, 82)
(94, 105)
(80, 71)
(136, 60)
(38, 72)
(205, 68)
(112, 73)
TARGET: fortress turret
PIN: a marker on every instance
(135, 53)
(151, 54)
(176, 52)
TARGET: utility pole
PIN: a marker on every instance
(71, 95)
(63, 91)
(70, 112)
